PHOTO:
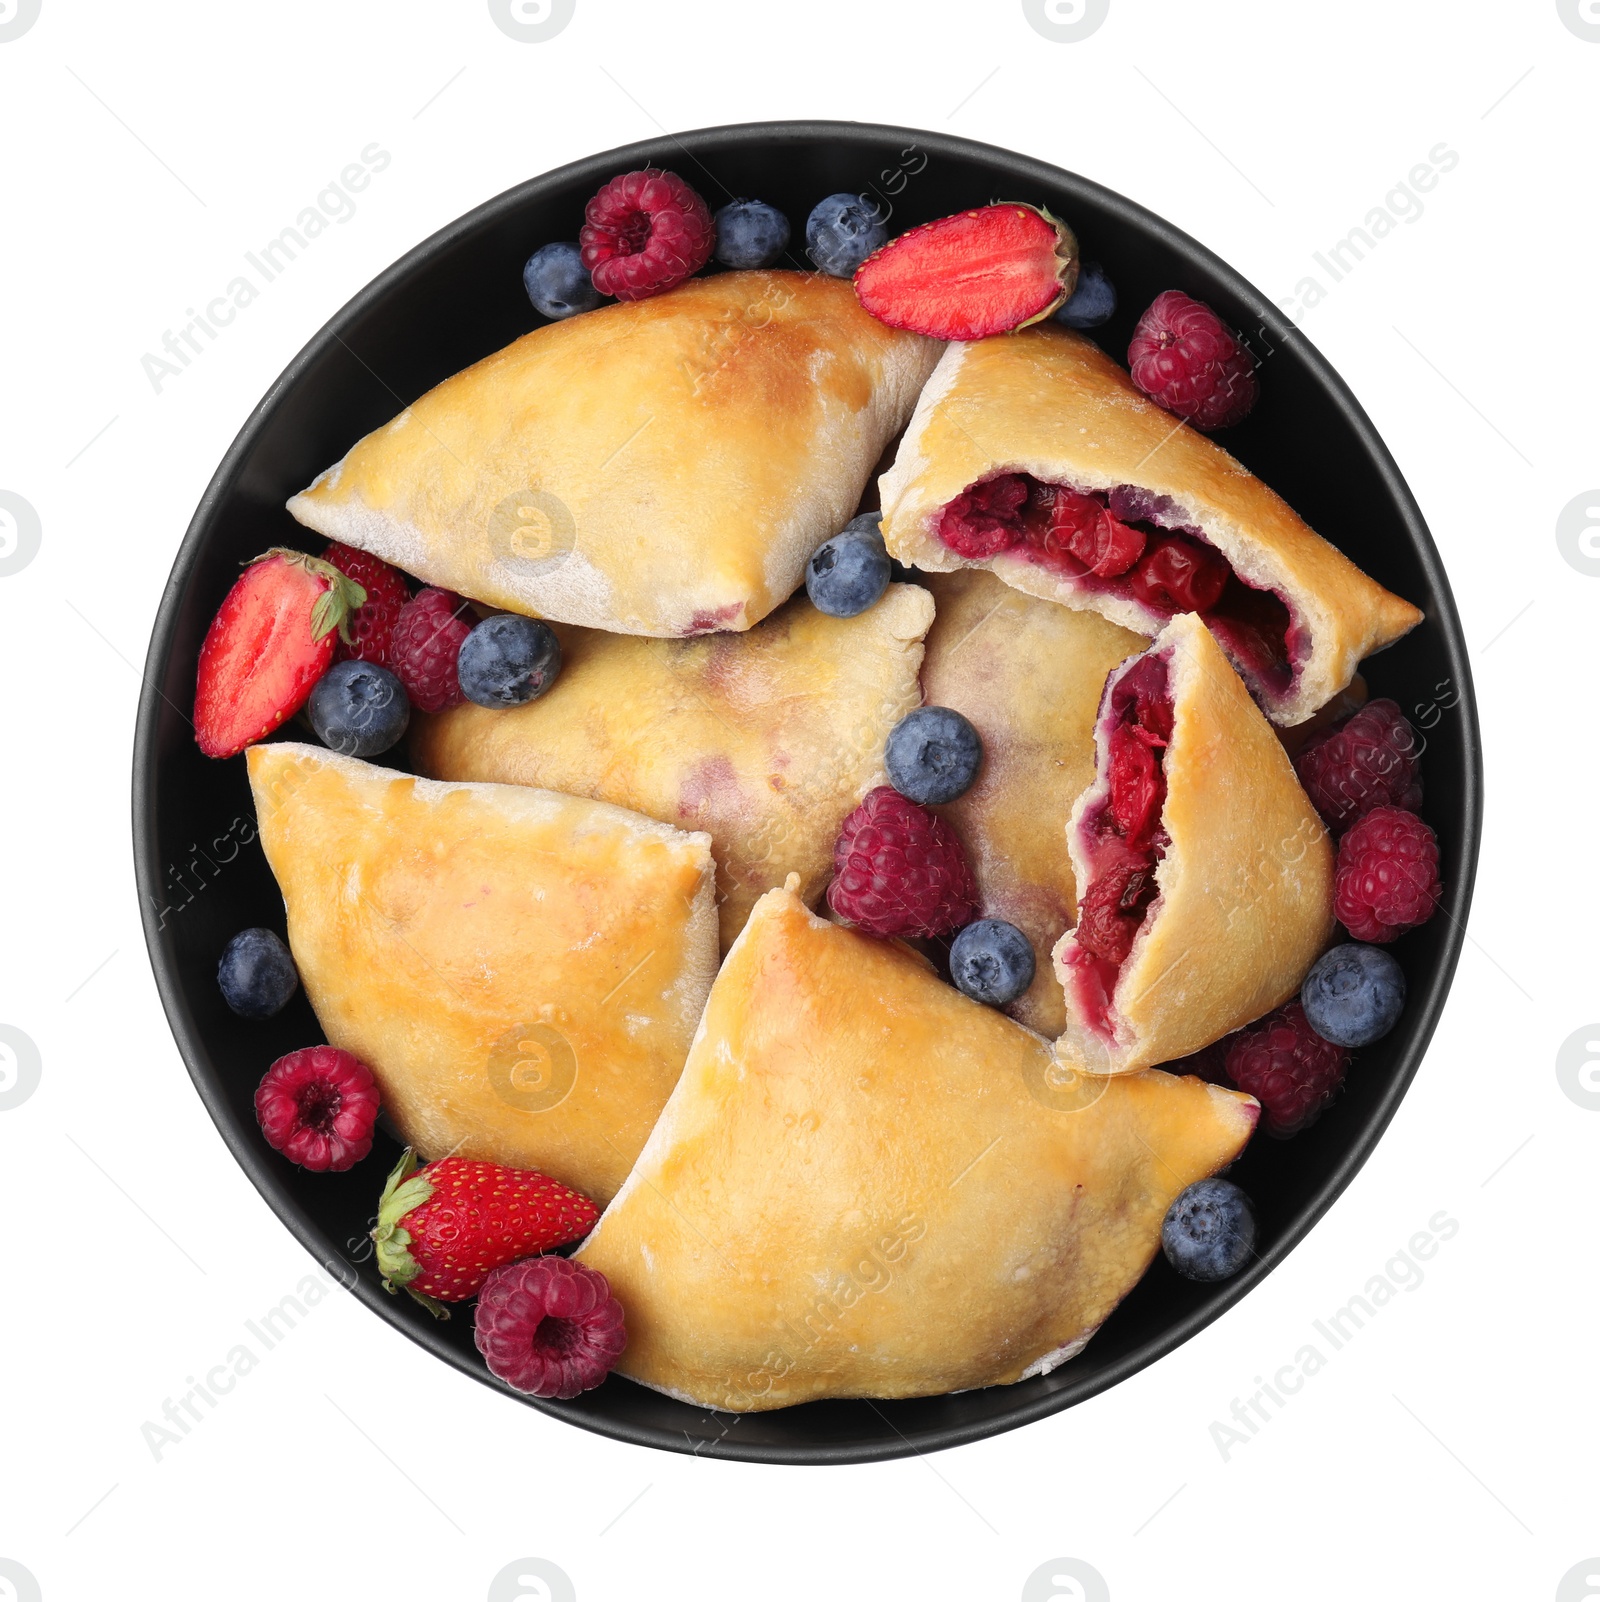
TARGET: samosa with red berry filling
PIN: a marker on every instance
(1205, 876)
(1035, 456)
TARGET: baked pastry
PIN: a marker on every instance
(867, 1185)
(521, 971)
(1005, 423)
(766, 740)
(1205, 876)
(661, 466)
(1028, 675)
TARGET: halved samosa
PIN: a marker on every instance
(1035, 456)
(867, 1185)
(766, 740)
(522, 971)
(661, 466)
(1028, 675)
(1205, 875)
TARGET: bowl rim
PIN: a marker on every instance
(692, 145)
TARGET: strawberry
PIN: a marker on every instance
(978, 273)
(444, 1228)
(271, 640)
(372, 623)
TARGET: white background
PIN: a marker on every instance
(1447, 1450)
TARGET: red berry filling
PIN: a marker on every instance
(1122, 836)
(1134, 545)
(1386, 878)
(986, 518)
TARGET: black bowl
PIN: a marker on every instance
(459, 296)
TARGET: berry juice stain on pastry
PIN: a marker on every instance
(1036, 456)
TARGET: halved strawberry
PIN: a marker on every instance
(271, 640)
(978, 273)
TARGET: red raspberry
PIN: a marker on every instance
(1366, 760)
(372, 623)
(1290, 1069)
(900, 870)
(645, 232)
(422, 651)
(1185, 358)
(317, 1106)
(548, 1326)
(1387, 876)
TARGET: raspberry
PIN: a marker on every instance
(900, 870)
(372, 623)
(645, 232)
(1288, 1067)
(1366, 760)
(1186, 359)
(985, 519)
(548, 1326)
(1387, 876)
(422, 651)
(317, 1106)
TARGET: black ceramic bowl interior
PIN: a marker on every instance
(458, 297)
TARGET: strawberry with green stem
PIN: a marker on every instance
(273, 637)
(445, 1227)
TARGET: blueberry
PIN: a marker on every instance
(932, 755)
(508, 660)
(257, 975)
(1354, 994)
(557, 282)
(848, 573)
(1092, 302)
(991, 961)
(750, 233)
(359, 709)
(842, 231)
(1209, 1232)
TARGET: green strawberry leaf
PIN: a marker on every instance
(404, 1190)
(334, 606)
